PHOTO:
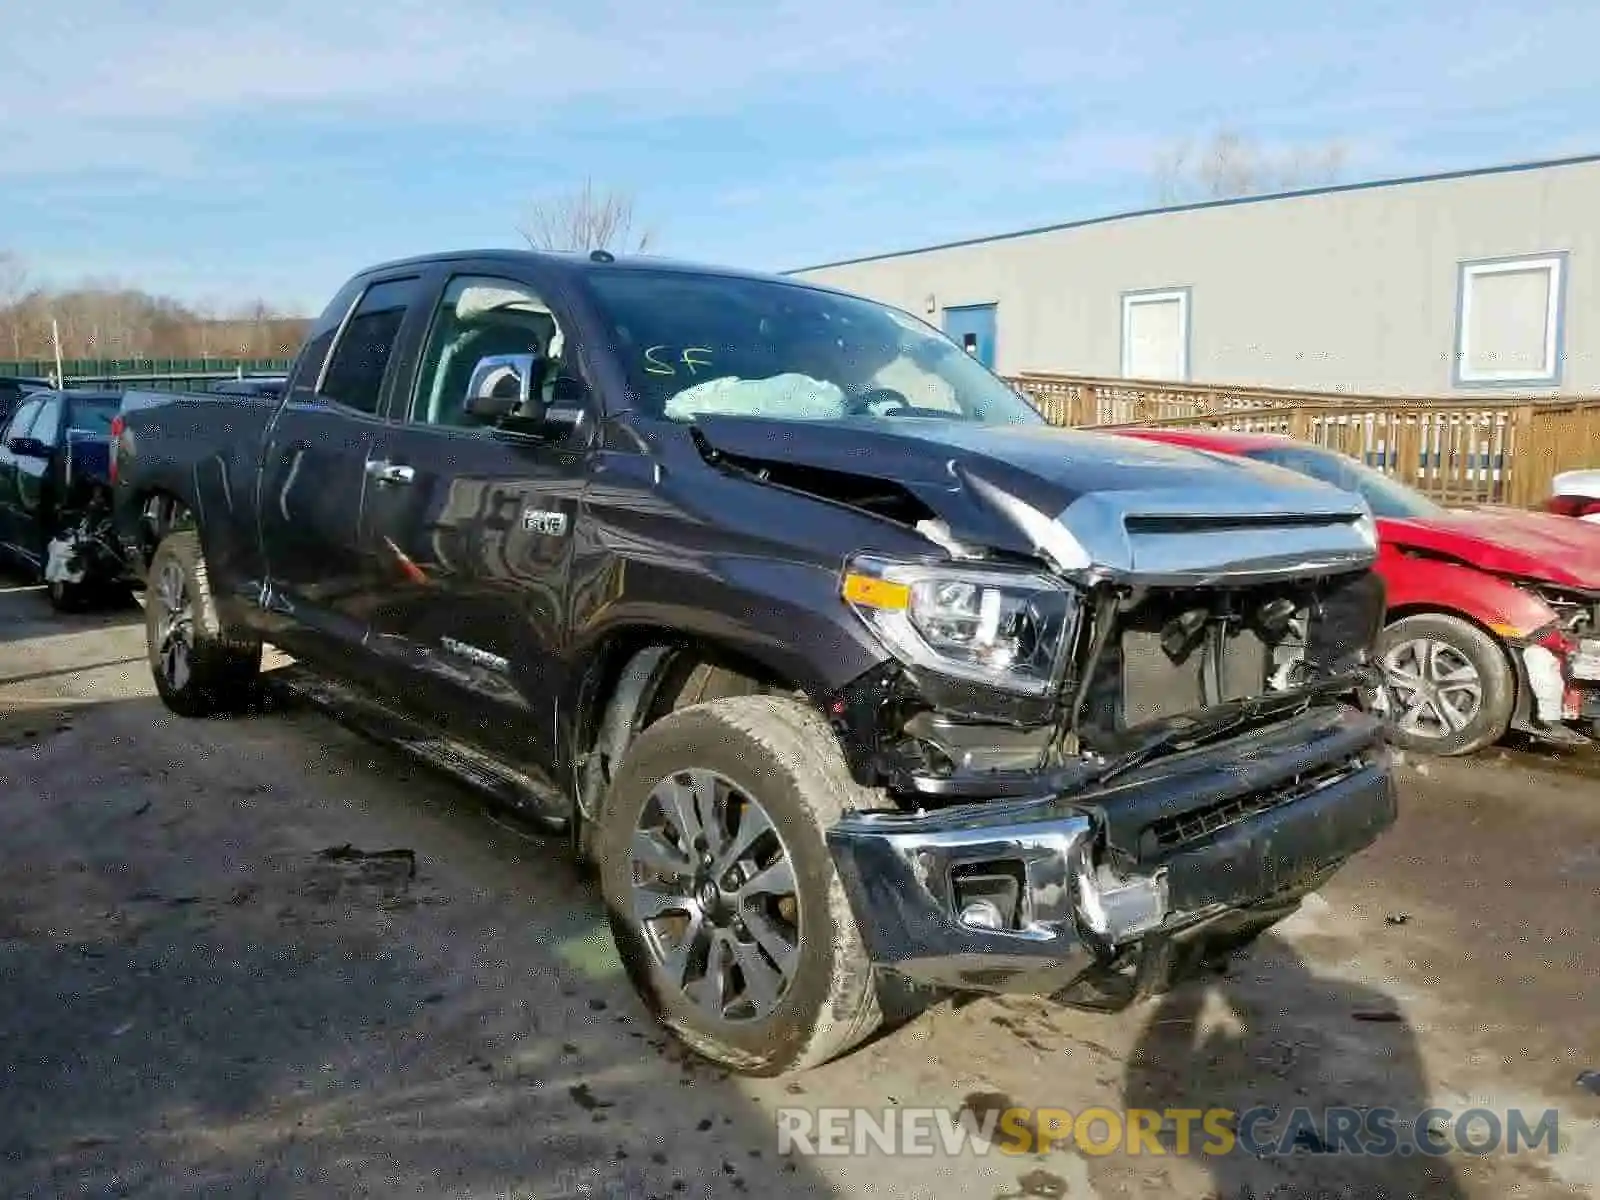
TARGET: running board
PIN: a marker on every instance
(372, 719)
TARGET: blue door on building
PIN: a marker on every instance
(972, 327)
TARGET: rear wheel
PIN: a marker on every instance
(722, 895)
(1448, 686)
(199, 670)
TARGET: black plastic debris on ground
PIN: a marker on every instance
(586, 1099)
(349, 853)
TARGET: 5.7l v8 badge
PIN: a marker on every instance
(538, 520)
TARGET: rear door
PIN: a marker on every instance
(314, 472)
(473, 530)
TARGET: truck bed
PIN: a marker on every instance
(200, 444)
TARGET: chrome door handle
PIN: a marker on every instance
(388, 472)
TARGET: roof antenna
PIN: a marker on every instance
(602, 256)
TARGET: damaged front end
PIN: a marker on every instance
(1558, 666)
(83, 551)
(1101, 771)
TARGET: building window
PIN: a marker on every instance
(1155, 334)
(1509, 320)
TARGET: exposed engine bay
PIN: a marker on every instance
(84, 552)
(1144, 659)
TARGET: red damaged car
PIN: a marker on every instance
(1494, 613)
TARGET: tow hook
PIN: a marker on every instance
(1117, 908)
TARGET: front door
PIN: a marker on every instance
(471, 531)
(972, 326)
(314, 480)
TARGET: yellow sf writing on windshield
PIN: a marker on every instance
(692, 359)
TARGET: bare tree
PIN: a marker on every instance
(100, 319)
(1229, 165)
(13, 290)
(586, 219)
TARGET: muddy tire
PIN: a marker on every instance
(199, 669)
(728, 914)
(1450, 688)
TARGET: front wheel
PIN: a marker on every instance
(199, 670)
(722, 896)
(1448, 686)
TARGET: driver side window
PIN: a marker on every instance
(481, 317)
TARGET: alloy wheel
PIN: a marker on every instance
(1432, 688)
(714, 893)
(175, 627)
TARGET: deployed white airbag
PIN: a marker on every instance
(793, 396)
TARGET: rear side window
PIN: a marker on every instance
(313, 354)
(354, 376)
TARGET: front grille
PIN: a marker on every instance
(1184, 829)
(1178, 651)
(1156, 685)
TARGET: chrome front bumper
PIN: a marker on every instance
(1225, 838)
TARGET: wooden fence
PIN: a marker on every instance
(1496, 451)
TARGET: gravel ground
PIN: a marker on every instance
(203, 993)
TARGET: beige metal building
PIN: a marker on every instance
(1442, 284)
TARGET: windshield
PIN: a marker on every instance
(1385, 496)
(94, 416)
(695, 344)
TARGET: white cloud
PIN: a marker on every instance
(207, 61)
(114, 98)
(154, 88)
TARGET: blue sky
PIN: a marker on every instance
(219, 153)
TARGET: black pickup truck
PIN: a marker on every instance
(853, 678)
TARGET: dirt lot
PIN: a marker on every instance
(199, 995)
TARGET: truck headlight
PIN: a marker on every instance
(1009, 629)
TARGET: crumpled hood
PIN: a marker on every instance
(1090, 501)
(1508, 541)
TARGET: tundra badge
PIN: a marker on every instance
(538, 520)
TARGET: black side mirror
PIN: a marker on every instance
(28, 447)
(505, 388)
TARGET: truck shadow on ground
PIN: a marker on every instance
(198, 1001)
(1272, 1035)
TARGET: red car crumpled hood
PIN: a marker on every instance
(1510, 541)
